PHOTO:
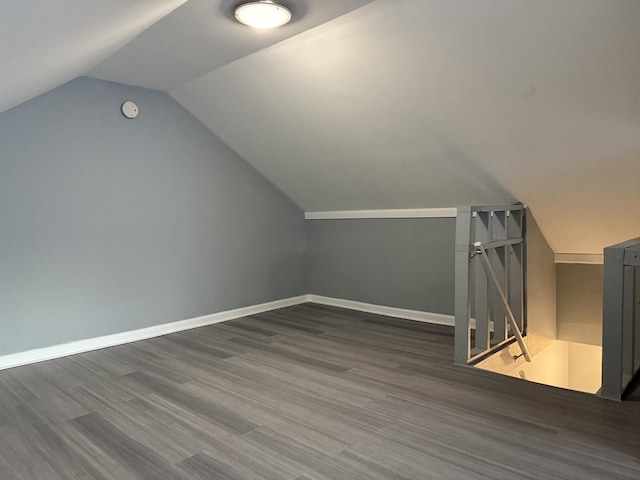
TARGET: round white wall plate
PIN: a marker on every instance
(129, 109)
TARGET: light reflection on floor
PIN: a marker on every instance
(570, 365)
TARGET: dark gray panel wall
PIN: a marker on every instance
(579, 294)
(109, 224)
(405, 263)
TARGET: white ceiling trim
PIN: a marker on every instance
(448, 212)
(581, 258)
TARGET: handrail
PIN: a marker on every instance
(505, 303)
(502, 231)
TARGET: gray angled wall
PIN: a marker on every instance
(540, 282)
(579, 294)
(397, 262)
(109, 224)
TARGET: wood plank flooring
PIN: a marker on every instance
(303, 393)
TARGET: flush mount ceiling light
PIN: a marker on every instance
(263, 14)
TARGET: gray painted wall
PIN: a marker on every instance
(405, 263)
(541, 282)
(109, 224)
(579, 293)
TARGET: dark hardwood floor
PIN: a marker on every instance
(303, 393)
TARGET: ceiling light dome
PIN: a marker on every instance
(263, 14)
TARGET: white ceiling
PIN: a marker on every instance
(45, 43)
(361, 104)
(203, 35)
(433, 103)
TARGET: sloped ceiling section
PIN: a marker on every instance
(431, 103)
(203, 35)
(46, 44)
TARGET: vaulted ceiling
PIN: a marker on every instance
(361, 104)
(46, 44)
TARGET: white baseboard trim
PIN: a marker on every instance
(583, 258)
(417, 315)
(448, 212)
(81, 346)
(87, 345)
